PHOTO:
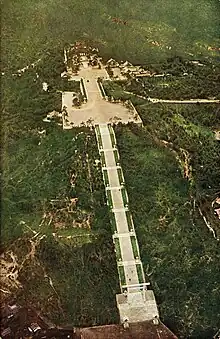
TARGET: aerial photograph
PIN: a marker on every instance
(110, 169)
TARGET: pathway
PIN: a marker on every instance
(189, 101)
(136, 302)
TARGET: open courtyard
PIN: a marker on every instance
(96, 110)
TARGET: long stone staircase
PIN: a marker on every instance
(136, 302)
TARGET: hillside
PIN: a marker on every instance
(56, 251)
(139, 31)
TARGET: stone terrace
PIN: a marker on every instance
(135, 303)
(96, 110)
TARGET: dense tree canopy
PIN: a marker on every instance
(30, 28)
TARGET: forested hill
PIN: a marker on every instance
(139, 30)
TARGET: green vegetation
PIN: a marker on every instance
(113, 222)
(51, 185)
(105, 174)
(187, 128)
(178, 79)
(116, 155)
(180, 88)
(182, 80)
(102, 157)
(69, 86)
(25, 104)
(121, 272)
(112, 136)
(120, 175)
(29, 30)
(117, 248)
(114, 90)
(129, 220)
(140, 273)
(109, 198)
(98, 134)
(99, 141)
(37, 180)
(81, 280)
(179, 254)
(124, 196)
(134, 246)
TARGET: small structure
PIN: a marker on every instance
(126, 64)
(112, 63)
(217, 135)
(34, 327)
(127, 69)
(45, 86)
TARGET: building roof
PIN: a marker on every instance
(142, 330)
(112, 62)
(126, 63)
(41, 328)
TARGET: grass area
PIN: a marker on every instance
(99, 141)
(75, 232)
(76, 237)
(113, 141)
(121, 272)
(109, 198)
(115, 90)
(97, 130)
(81, 291)
(185, 87)
(134, 245)
(34, 176)
(50, 184)
(177, 250)
(37, 178)
(102, 157)
(116, 155)
(113, 222)
(140, 274)
(69, 86)
(129, 220)
(117, 249)
(124, 196)
(120, 175)
(98, 136)
(105, 175)
(112, 134)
